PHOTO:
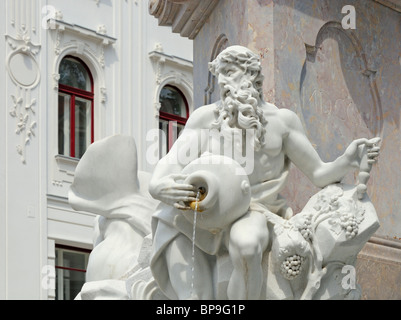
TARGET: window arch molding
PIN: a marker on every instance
(77, 49)
(89, 58)
(179, 82)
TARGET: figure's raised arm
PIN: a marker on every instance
(301, 152)
(167, 184)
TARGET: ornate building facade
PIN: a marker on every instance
(74, 72)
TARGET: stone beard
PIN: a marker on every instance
(239, 106)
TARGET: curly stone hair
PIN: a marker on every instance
(240, 56)
(240, 106)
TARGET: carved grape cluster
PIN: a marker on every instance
(345, 214)
(350, 225)
(306, 228)
(291, 267)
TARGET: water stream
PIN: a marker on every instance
(193, 241)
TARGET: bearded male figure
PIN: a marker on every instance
(278, 140)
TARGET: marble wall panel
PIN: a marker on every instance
(344, 84)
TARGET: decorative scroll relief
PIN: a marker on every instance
(220, 44)
(24, 71)
(337, 85)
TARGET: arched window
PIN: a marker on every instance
(173, 115)
(75, 108)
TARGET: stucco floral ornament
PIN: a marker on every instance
(24, 71)
(24, 127)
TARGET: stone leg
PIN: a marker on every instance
(178, 257)
(249, 237)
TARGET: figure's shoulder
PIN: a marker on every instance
(289, 118)
(286, 114)
(205, 110)
(202, 117)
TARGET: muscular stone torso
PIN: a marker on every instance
(268, 162)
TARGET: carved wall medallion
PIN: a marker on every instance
(23, 69)
(21, 63)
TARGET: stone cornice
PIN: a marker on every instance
(99, 35)
(392, 4)
(186, 17)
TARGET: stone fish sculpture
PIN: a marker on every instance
(215, 225)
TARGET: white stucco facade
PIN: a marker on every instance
(130, 59)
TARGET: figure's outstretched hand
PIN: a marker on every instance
(172, 192)
(356, 151)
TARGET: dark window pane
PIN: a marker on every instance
(71, 284)
(173, 102)
(74, 74)
(64, 124)
(70, 273)
(180, 127)
(164, 137)
(74, 260)
(83, 118)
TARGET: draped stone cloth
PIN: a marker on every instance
(168, 223)
(106, 183)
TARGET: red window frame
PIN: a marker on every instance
(75, 92)
(74, 249)
(71, 249)
(171, 118)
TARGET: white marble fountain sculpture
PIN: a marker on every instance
(213, 224)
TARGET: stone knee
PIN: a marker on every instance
(248, 239)
(250, 249)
